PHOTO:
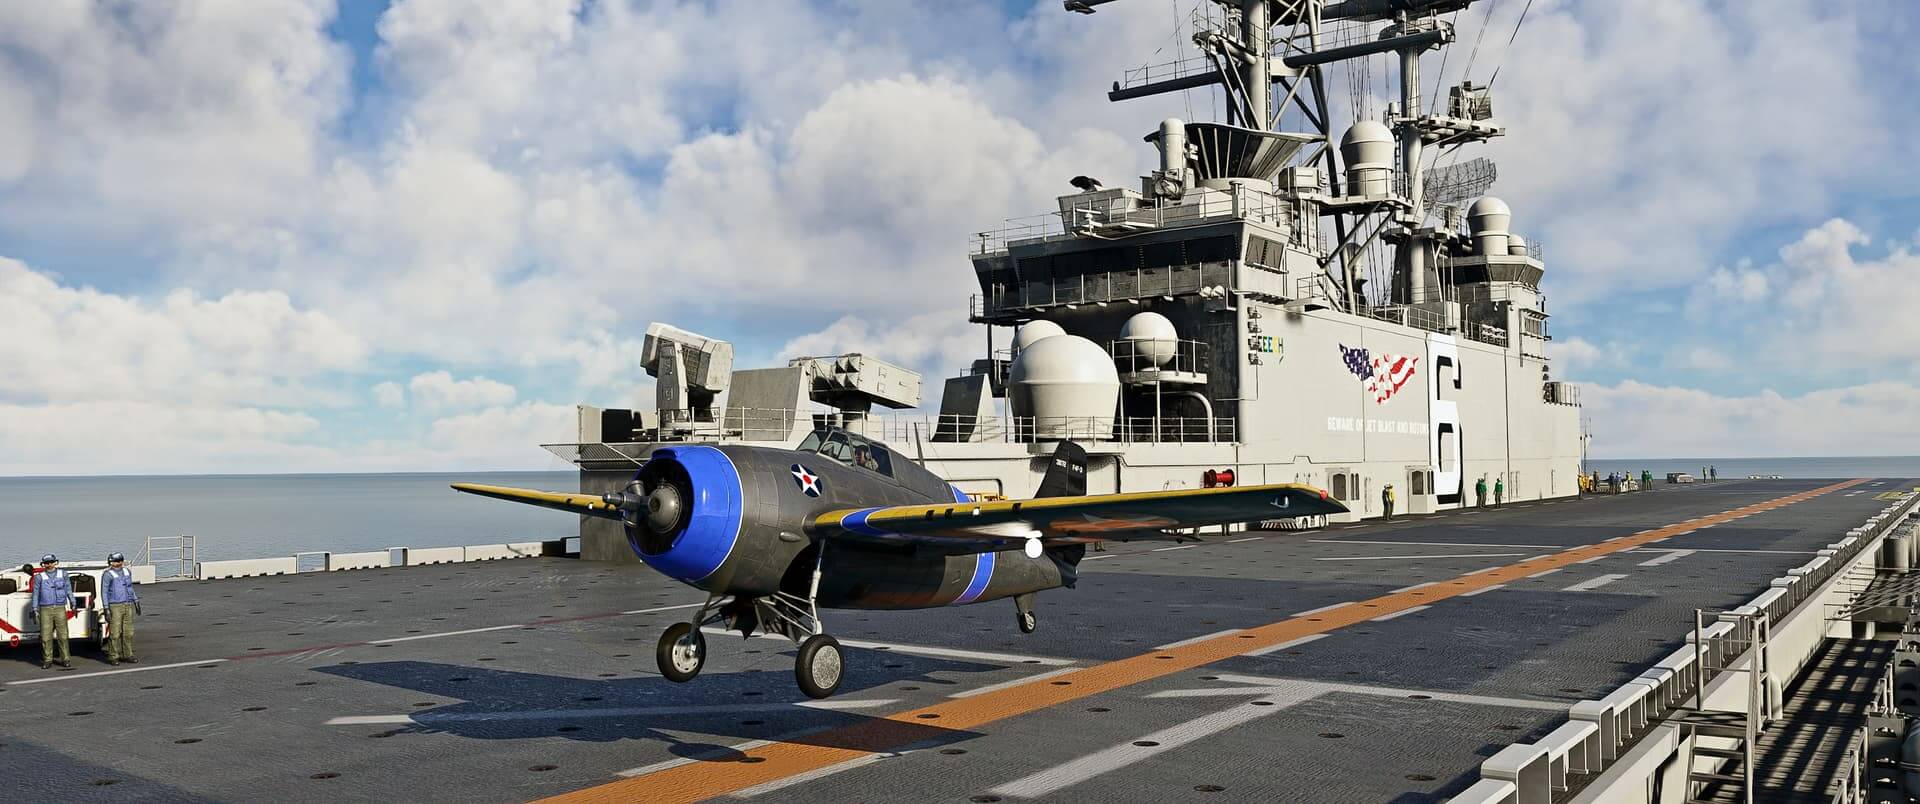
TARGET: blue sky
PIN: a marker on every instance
(291, 235)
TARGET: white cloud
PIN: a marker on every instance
(60, 343)
(438, 390)
(1631, 178)
(136, 118)
(534, 180)
(1574, 354)
(389, 395)
(131, 436)
(932, 343)
(504, 437)
(1824, 306)
(1638, 420)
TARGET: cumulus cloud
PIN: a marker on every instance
(1639, 420)
(60, 343)
(529, 182)
(438, 390)
(389, 395)
(504, 437)
(1823, 303)
(130, 436)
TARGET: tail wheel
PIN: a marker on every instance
(818, 668)
(682, 652)
(1029, 622)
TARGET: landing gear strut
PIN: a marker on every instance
(1023, 610)
(818, 667)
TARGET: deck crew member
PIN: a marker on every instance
(1386, 499)
(122, 605)
(1480, 492)
(1499, 490)
(52, 598)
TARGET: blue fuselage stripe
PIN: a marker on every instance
(982, 575)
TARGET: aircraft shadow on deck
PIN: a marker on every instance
(513, 705)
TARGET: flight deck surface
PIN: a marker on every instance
(514, 680)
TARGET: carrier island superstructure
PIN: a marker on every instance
(1284, 299)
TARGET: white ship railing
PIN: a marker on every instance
(1096, 217)
(774, 424)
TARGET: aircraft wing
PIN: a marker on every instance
(977, 527)
(585, 504)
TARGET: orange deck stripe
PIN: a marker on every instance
(702, 780)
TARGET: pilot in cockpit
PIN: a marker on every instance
(863, 457)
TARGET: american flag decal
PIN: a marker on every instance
(1382, 375)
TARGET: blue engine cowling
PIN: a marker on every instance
(692, 539)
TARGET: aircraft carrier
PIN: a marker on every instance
(1381, 661)
(1315, 290)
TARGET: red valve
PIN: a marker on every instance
(1216, 478)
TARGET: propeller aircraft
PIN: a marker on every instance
(843, 522)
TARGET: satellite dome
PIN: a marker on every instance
(1488, 205)
(1153, 337)
(1367, 143)
(1067, 383)
(1033, 331)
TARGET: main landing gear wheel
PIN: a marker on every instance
(818, 667)
(1029, 622)
(682, 652)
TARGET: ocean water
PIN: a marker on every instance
(261, 516)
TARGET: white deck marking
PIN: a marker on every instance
(446, 634)
(1291, 643)
(1200, 638)
(1593, 583)
(1413, 587)
(1483, 590)
(1722, 550)
(1128, 753)
(1248, 539)
(72, 676)
(658, 609)
(1401, 613)
(1671, 556)
(1591, 560)
(1181, 547)
(1014, 683)
(819, 773)
(1263, 683)
(430, 716)
(956, 653)
(1436, 544)
(927, 650)
(1096, 558)
(1544, 573)
(1415, 558)
(1310, 612)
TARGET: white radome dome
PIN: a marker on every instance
(1034, 331)
(1153, 337)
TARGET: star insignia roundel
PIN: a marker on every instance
(808, 481)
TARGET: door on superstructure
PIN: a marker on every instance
(1419, 496)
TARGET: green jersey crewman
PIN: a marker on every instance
(1499, 490)
(1480, 493)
